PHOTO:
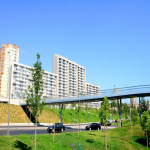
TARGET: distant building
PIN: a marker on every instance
(133, 101)
(148, 103)
(116, 90)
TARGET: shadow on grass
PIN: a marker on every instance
(91, 134)
(69, 134)
(21, 145)
(90, 140)
(142, 141)
(70, 113)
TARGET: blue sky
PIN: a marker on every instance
(111, 39)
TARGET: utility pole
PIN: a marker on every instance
(140, 108)
(9, 84)
(49, 112)
(130, 123)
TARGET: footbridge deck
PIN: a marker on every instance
(112, 94)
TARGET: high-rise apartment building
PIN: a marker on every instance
(71, 76)
(8, 55)
(21, 76)
(92, 89)
(67, 79)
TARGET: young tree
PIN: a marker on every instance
(134, 115)
(144, 106)
(77, 110)
(96, 109)
(145, 123)
(72, 106)
(34, 93)
(91, 108)
(86, 107)
(105, 114)
(113, 104)
(101, 112)
(126, 110)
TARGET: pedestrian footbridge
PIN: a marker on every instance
(112, 94)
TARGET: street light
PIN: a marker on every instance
(9, 84)
(49, 111)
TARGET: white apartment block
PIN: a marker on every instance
(71, 76)
(67, 79)
(8, 55)
(21, 78)
(92, 89)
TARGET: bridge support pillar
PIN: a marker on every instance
(120, 113)
(140, 108)
(60, 110)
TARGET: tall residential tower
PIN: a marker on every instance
(71, 76)
(8, 55)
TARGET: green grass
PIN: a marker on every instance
(118, 139)
(17, 115)
(93, 117)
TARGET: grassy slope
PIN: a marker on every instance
(17, 115)
(118, 139)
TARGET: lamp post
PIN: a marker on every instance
(49, 111)
(9, 84)
(79, 112)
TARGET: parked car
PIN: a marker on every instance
(108, 124)
(58, 127)
(117, 120)
(93, 126)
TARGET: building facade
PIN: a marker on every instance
(9, 54)
(21, 76)
(71, 76)
(148, 103)
(68, 78)
(92, 89)
(133, 101)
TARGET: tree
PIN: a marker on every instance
(72, 106)
(86, 107)
(134, 115)
(126, 109)
(34, 93)
(91, 108)
(113, 104)
(104, 113)
(64, 106)
(96, 109)
(77, 110)
(145, 123)
(144, 106)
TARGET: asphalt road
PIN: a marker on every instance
(30, 130)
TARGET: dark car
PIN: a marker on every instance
(93, 126)
(108, 124)
(58, 127)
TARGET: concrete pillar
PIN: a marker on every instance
(120, 113)
(140, 108)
